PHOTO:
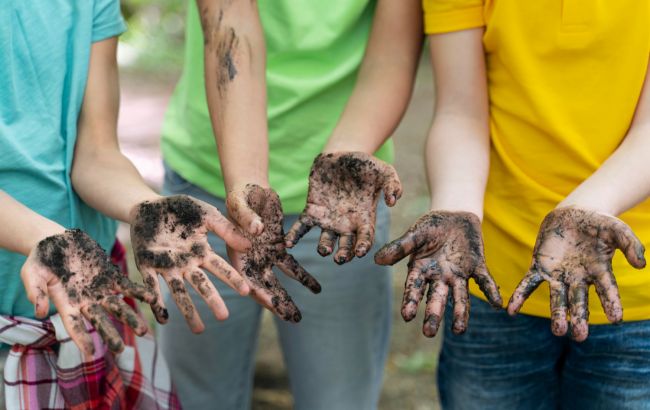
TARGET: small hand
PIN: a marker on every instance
(574, 250)
(446, 249)
(75, 272)
(344, 189)
(254, 203)
(169, 238)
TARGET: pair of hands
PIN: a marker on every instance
(573, 251)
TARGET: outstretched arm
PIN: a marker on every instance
(66, 267)
(577, 240)
(169, 235)
(446, 244)
(346, 180)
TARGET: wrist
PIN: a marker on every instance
(241, 183)
(347, 143)
(451, 204)
(588, 204)
(37, 232)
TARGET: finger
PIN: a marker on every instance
(461, 306)
(101, 322)
(559, 304)
(629, 244)
(365, 238)
(225, 229)
(436, 301)
(488, 286)
(74, 324)
(607, 291)
(294, 270)
(242, 213)
(226, 273)
(135, 290)
(268, 291)
(396, 250)
(528, 284)
(344, 253)
(578, 305)
(209, 293)
(123, 312)
(392, 185)
(326, 242)
(150, 279)
(298, 230)
(414, 288)
(185, 304)
(36, 288)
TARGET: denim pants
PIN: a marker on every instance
(335, 356)
(505, 362)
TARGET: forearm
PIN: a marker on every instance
(385, 79)
(622, 182)
(104, 178)
(22, 228)
(107, 181)
(235, 63)
(458, 147)
(457, 159)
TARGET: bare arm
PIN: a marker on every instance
(102, 176)
(169, 234)
(235, 82)
(446, 244)
(346, 180)
(577, 240)
(458, 148)
(22, 228)
(623, 181)
(385, 81)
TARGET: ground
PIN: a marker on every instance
(410, 372)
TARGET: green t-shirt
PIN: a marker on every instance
(314, 49)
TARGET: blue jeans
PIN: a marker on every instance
(335, 356)
(517, 363)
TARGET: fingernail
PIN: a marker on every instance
(297, 317)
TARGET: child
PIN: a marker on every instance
(543, 110)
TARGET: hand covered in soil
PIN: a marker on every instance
(74, 271)
(574, 250)
(259, 210)
(446, 250)
(169, 238)
(344, 189)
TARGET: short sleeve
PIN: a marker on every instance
(107, 20)
(443, 16)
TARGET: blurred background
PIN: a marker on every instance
(150, 57)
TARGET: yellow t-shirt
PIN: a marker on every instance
(564, 79)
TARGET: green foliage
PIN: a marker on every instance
(154, 40)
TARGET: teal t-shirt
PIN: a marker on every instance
(314, 50)
(44, 56)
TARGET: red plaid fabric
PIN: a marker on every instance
(45, 369)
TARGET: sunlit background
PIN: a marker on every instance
(150, 57)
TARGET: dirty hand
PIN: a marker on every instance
(574, 250)
(74, 271)
(446, 250)
(169, 238)
(344, 189)
(259, 212)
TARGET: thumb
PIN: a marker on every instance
(241, 212)
(225, 229)
(392, 185)
(33, 278)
